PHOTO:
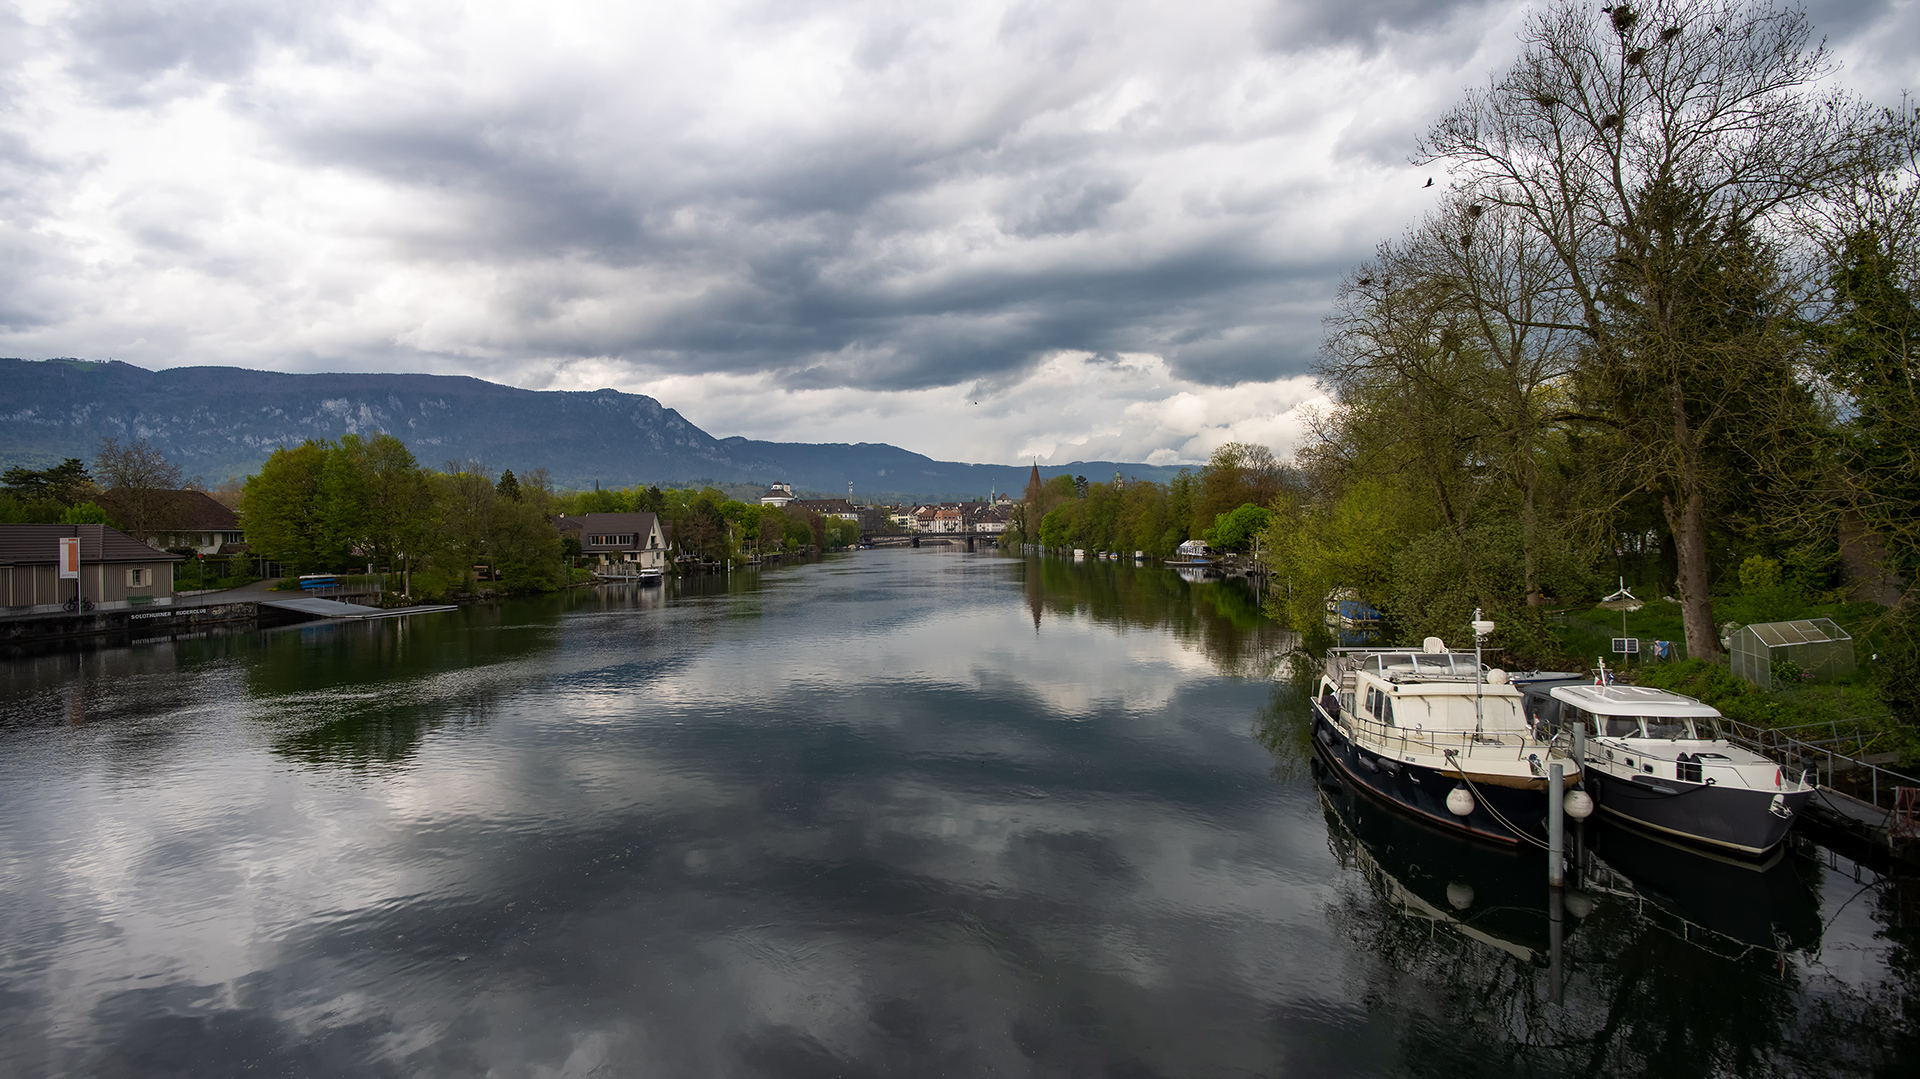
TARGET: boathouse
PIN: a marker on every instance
(116, 570)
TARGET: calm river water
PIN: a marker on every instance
(897, 813)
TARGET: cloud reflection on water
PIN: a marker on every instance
(854, 818)
(846, 840)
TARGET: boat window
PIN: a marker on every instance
(1620, 726)
(1668, 727)
(1386, 710)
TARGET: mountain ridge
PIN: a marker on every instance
(221, 421)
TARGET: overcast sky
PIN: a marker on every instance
(985, 231)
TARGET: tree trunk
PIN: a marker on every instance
(1688, 523)
(1696, 603)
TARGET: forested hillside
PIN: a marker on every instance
(217, 422)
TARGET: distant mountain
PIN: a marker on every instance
(223, 421)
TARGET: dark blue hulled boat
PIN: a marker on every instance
(1438, 736)
(1658, 759)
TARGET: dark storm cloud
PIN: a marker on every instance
(1362, 24)
(832, 195)
(790, 240)
(126, 48)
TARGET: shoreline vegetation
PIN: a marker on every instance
(1659, 333)
(365, 505)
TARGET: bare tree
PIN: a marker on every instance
(1633, 140)
(140, 484)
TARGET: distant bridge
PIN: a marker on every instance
(915, 539)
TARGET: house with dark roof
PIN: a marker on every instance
(619, 544)
(181, 520)
(778, 494)
(116, 570)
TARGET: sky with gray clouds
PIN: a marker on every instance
(985, 231)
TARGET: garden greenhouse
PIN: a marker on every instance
(1814, 647)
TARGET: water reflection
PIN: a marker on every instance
(1713, 900)
(892, 813)
(369, 692)
(1494, 897)
(1221, 615)
(1684, 963)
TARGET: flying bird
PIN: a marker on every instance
(1429, 181)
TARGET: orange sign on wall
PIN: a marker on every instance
(70, 558)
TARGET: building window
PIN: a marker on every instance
(139, 578)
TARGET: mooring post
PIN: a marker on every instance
(1579, 731)
(1556, 795)
(1556, 931)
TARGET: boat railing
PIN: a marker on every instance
(1838, 760)
(1501, 745)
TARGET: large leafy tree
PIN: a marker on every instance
(281, 509)
(374, 499)
(1633, 139)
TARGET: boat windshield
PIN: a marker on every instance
(1422, 664)
(1669, 727)
(1619, 727)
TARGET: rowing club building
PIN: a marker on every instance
(116, 570)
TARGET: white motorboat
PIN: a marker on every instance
(1659, 760)
(1438, 735)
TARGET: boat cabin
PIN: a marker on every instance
(1651, 732)
(1629, 712)
(1425, 691)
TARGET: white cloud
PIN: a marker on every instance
(1072, 406)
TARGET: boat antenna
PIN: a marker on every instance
(1481, 627)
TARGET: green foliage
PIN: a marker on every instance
(1314, 550)
(1896, 670)
(282, 509)
(841, 533)
(1759, 574)
(1236, 531)
(15, 510)
(84, 513)
(1134, 516)
(324, 506)
(374, 499)
(66, 483)
(1867, 352)
(795, 535)
(1237, 474)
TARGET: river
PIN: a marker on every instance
(891, 813)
